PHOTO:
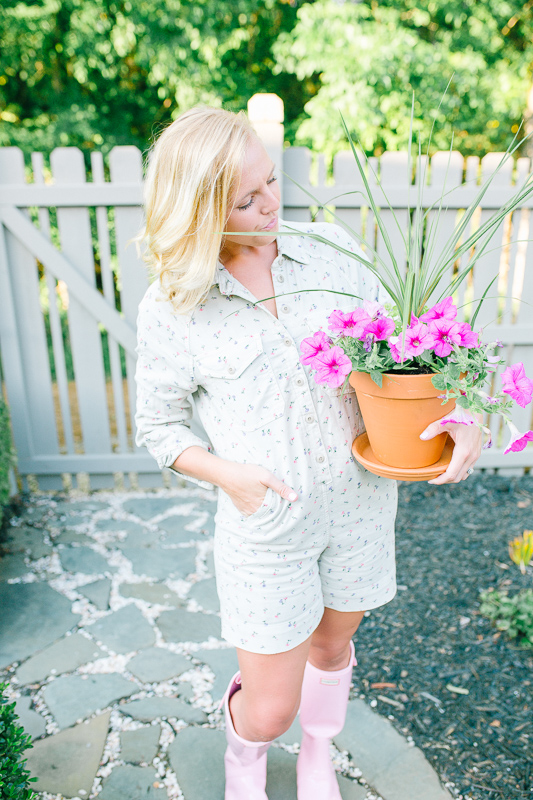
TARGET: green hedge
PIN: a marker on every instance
(7, 457)
(14, 777)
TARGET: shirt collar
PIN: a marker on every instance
(291, 246)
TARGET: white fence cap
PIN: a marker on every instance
(265, 108)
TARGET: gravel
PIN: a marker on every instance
(460, 688)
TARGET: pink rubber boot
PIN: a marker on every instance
(322, 715)
(245, 762)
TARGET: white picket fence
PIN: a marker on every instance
(64, 250)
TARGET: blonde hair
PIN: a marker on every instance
(192, 176)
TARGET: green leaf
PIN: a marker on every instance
(377, 377)
(439, 382)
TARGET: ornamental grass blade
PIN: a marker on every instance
(377, 216)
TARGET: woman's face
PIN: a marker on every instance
(256, 200)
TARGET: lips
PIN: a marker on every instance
(270, 225)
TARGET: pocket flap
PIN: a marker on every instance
(231, 362)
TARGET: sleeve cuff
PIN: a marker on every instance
(166, 460)
(202, 484)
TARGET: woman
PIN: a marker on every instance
(304, 540)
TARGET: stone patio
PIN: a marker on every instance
(110, 641)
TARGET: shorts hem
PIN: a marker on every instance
(358, 605)
(254, 646)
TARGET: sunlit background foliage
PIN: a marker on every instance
(96, 73)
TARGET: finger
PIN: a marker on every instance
(282, 489)
(459, 464)
(433, 430)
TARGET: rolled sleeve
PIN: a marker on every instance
(165, 382)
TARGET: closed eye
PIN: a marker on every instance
(252, 198)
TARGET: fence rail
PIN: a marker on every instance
(70, 286)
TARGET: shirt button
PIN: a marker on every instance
(299, 381)
(285, 309)
(231, 370)
(320, 459)
(280, 278)
(309, 418)
(288, 342)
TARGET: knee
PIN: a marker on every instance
(330, 654)
(268, 721)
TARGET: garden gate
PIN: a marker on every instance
(71, 281)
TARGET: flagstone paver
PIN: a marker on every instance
(187, 756)
(13, 566)
(119, 526)
(156, 593)
(385, 758)
(67, 762)
(133, 783)
(157, 664)
(175, 530)
(83, 559)
(98, 593)
(76, 697)
(150, 708)
(65, 677)
(31, 721)
(224, 664)
(33, 616)
(140, 746)
(123, 631)
(160, 564)
(72, 537)
(149, 507)
(184, 626)
(30, 540)
(63, 656)
(142, 537)
(205, 594)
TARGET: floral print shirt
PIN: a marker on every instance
(241, 365)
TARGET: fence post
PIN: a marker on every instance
(266, 114)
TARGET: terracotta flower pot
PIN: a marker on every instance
(396, 414)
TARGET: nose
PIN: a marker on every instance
(271, 202)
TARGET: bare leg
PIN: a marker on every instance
(268, 702)
(330, 641)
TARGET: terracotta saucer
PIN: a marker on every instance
(364, 455)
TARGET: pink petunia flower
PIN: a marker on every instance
(381, 328)
(445, 334)
(395, 347)
(332, 367)
(373, 309)
(443, 310)
(460, 416)
(348, 324)
(468, 337)
(517, 385)
(319, 342)
(518, 440)
(417, 339)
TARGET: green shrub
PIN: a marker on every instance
(7, 456)
(14, 777)
(514, 615)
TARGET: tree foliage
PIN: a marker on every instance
(105, 72)
(372, 55)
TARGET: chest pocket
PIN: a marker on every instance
(240, 383)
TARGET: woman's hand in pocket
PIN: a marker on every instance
(247, 484)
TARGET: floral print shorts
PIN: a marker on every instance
(277, 569)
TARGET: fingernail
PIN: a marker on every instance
(424, 435)
(293, 496)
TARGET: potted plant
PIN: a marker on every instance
(408, 348)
